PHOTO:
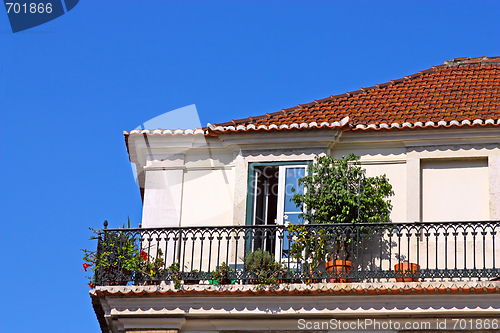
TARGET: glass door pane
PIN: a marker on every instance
(264, 197)
(288, 212)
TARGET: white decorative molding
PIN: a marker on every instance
(213, 308)
(341, 123)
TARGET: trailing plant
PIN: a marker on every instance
(116, 259)
(337, 191)
(173, 272)
(271, 278)
(308, 246)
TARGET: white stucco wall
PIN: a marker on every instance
(163, 194)
(207, 198)
(208, 187)
(455, 190)
(207, 184)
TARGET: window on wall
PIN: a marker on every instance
(269, 193)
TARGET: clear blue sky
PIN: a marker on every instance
(70, 87)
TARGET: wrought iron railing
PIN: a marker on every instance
(368, 252)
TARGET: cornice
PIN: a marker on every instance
(354, 300)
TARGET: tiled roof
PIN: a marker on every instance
(461, 92)
(301, 289)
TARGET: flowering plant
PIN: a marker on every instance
(152, 268)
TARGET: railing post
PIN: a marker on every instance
(179, 246)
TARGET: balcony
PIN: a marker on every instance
(370, 252)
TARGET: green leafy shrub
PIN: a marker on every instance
(173, 272)
(337, 191)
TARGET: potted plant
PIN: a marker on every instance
(407, 272)
(337, 191)
(116, 259)
(261, 268)
(308, 248)
(191, 277)
(222, 275)
(289, 275)
(152, 269)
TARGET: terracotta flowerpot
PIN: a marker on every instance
(338, 268)
(405, 267)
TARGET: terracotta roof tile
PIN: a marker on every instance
(463, 92)
(461, 89)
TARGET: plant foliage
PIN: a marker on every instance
(262, 268)
(117, 257)
(223, 274)
(337, 191)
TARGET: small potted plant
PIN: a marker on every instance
(172, 273)
(191, 277)
(152, 269)
(289, 275)
(261, 268)
(405, 270)
(308, 249)
(222, 275)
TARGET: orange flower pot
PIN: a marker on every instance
(405, 267)
(338, 268)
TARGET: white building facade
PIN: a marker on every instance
(435, 135)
